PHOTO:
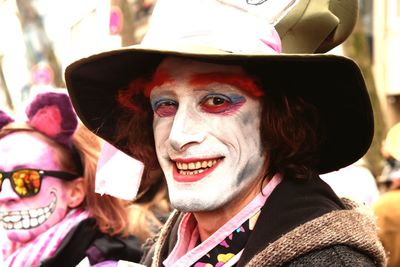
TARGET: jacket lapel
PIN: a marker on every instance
(292, 203)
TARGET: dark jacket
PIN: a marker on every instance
(303, 223)
(86, 240)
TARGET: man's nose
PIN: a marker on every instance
(187, 129)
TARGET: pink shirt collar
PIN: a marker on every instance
(185, 252)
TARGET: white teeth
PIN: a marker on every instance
(34, 222)
(27, 219)
(182, 166)
(25, 223)
(18, 225)
(41, 219)
(195, 167)
(33, 213)
(39, 212)
(24, 212)
(15, 218)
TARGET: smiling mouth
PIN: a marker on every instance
(27, 219)
(189, 171)
(195, 167)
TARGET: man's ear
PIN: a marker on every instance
(75, 192)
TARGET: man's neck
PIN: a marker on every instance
(209, 222)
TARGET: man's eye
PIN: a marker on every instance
(216, 104)
(165, 108)
(216, 101)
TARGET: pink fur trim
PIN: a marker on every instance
(47, 120)
(52, 114)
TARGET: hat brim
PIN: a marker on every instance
(334, 84)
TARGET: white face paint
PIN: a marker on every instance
(206, 134)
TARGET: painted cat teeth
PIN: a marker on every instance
(196, 167)
(27, 219)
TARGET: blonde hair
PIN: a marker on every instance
(110, 212)
(142, 218)
(149, 212)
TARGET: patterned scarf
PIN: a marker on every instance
(231, 246)
(43, 246)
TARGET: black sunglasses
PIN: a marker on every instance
(27, 182)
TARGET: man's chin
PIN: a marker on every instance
(187, 205)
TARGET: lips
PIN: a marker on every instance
(191, 170)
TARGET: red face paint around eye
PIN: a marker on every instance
(219, 104)
(242, 81)
(160, 77)
(166, 109)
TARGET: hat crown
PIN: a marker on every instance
(304, 26)
(226, 27)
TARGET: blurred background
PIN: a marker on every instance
(39, 38)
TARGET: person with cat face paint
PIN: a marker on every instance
(49, 211)
(241, 132)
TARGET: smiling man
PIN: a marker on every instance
(241, 139)
(241, 133)
(194, 151)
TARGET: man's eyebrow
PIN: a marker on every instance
(243, 81)
(159, 78)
